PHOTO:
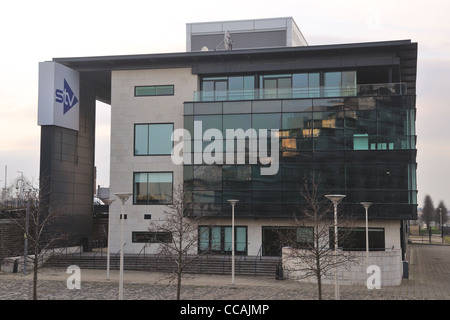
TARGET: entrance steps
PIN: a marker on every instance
(202, 264)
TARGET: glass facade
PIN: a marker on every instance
(293, 86)
(363, 147)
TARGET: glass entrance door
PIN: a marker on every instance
(217, 239)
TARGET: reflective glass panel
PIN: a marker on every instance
(237, 177)
(207, 177)
(160, 142)
(296, 125)
(140, 195)
(141, 139)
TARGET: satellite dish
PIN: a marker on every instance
(205, 48)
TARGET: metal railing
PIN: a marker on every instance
(377, 89)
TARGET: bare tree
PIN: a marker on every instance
(311, 242)
(178, 234)
(39, 221)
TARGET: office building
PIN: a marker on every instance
(345, 112)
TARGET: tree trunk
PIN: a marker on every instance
(319, 286)
(35, 274)
(319, 278)
(179, 269)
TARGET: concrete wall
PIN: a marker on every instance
(355, 273)
(389, 261)
(126, 110)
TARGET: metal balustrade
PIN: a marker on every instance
(378, 89)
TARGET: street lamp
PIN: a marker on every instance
(366, 206)
(232, 202)
(123, 197)
(335, 198)
(25, 244)
(108, 202)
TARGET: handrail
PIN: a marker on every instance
(79, 248)
(99, 250)
(143, 249)
(377, 89)
(95, 255)
(223, 260)
(259, 254)
(118, 252)
(242, 254)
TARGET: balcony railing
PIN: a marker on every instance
(379, 89)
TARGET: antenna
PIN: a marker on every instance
(227, 42)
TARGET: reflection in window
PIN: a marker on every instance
(217, 239)
(340, 84)
(151, 237)
(153, 139)
(146, 91)
(355, 239)
(153, 187)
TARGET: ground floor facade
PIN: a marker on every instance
(252, 236)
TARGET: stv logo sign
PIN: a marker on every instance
(66, 96)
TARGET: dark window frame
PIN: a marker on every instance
(151, 237)
(156, 89)
(149, 203)
(148, 153)
(348, 235)
(222, 239)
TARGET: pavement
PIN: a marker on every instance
(429, 279)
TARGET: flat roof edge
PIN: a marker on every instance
(199, 54)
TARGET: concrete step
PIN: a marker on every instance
(247, 265)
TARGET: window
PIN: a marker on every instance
(151, 237)
(228, 88)
(274, 238)
(340, 84)
(277, 86)
(355, 239)
(153, 139)
(153, 187)
(217, 239)
(305, 85)
(151, 91)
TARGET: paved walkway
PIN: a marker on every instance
(429, 279)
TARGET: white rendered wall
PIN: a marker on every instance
(126, 110)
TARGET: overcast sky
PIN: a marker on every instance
(35, 31)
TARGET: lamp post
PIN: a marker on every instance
(25, 244)
(23, 186)
(108, 202)
(335, 198)
(123, 197)
(232, 202)
(442, 229)
(366, 206)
